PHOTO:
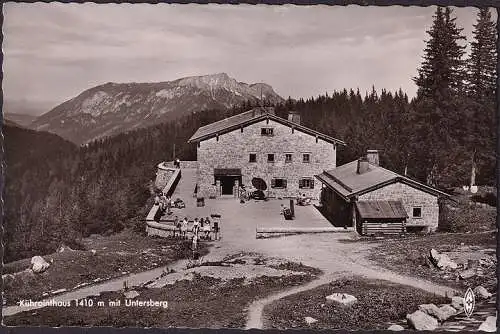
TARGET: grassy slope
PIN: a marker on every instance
(379, 303)
(126, 252)
(204, 302)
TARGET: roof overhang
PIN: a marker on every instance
(195, 139)
(353, 195)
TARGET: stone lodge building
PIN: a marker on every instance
(258, 147)
(376, 200)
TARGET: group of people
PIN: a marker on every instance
(165, 203)
(303, 200)
(202, 229)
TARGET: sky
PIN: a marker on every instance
(54, 51)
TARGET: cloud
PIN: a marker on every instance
(54, 51)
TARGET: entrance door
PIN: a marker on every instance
(227, 184)
(227, 178)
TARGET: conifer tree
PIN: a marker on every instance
(442, 69)
(481, 65)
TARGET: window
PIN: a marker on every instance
(306, 157)
(417, 212)
(278, 183)
(306, 183)
(267, 132)
(270, 158)
(288, 157)
(252, 157)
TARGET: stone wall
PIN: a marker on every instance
(162, 177)
(410, 197)
(232, 150)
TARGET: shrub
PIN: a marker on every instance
(489, 198)
(466, 218)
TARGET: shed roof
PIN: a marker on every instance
(249, 117)
(381, 209)
(345, 180)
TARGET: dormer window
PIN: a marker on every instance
(269, 132)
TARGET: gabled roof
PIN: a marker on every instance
(346, 182)
(381, 209)
(250, 117)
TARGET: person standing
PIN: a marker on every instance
(184, 227)
(207, 229)
(176, 225)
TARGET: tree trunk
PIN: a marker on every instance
(473, 171)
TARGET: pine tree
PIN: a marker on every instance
(481, 65)
(442, 69)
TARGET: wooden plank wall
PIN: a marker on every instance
(372, 227)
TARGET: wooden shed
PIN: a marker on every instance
(381, 217)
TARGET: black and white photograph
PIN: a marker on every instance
(247, 166)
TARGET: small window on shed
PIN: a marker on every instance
(267, 132)
(417, 212)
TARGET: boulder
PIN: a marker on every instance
(342, 298)
(131, 294)
(396, 328)
(445, 262)
(489, 325)
(466, 274)
(457, 302)
(38, 264)
(310, 320)
(434, 256)
(447, 311)
(482, 293)
(421, 321)
(432, 310)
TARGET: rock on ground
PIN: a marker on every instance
(447, 311)
(396, 328)
(457, 302)
(342, 298)
(421, 321)
(466, 274)
(445, 262)
(39, 265)
(432, 310)
(482, 293)
(489, 325)
(131, 294)
(442, 261)
(310, 320)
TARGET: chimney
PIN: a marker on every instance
(362, 165)
(294, 117)
(372, 157)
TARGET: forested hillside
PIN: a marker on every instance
(57, 193)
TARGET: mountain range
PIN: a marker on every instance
(113, 108)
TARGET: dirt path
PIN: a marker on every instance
(256, 309)
(96, 289)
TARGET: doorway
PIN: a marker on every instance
(227, 184)
(227, 178)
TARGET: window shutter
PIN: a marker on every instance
(284, 183)
(273, 183)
